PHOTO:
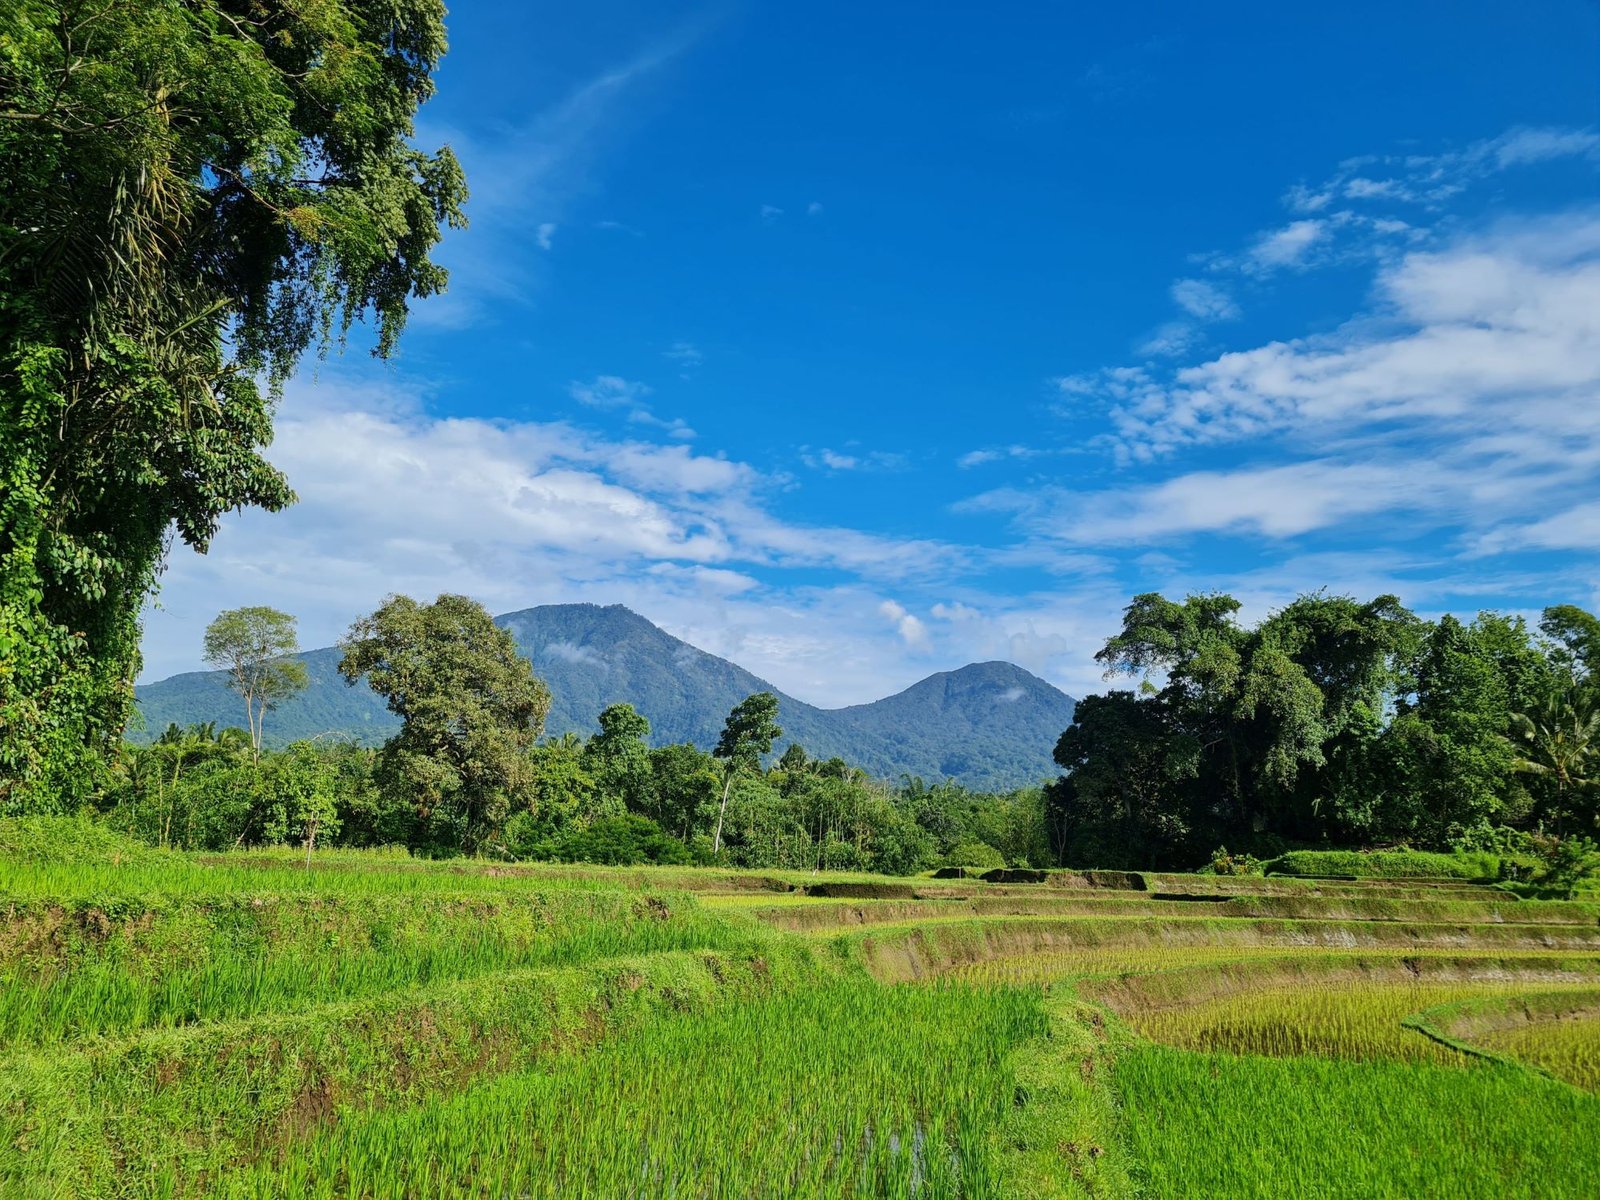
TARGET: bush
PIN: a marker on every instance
(622, 842)
(974, 854)
(1223, 863)
(1387, 864)
(75, 840)
(1568, 862)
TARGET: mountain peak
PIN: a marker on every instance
(987, 725)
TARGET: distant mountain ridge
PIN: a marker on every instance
(988, 726)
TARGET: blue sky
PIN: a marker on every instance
(858, 342)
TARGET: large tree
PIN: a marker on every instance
(255, 646)
(1275, 721)
(471, 709)
(195, 192)
(619, 756)
(747, 734)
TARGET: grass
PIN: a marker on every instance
(76, 975)
(1567, 1047)
(853, 1090)
(210, 1100)
(1360, 1023)
(382, 1026)
(1258, 1128)
(1387, 864)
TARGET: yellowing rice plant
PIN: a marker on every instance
(1359, 1021)
(1567, 1047)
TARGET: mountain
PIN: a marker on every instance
(989, 726)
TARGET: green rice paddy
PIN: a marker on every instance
(378, 1027)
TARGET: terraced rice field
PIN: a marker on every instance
(379, 1027)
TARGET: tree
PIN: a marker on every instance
(1126, 800)
(304, 796)
(747, 734)
(1576, 637)
(793, 758)
(253, 645)
(619, 756)
(684, 782)
(1560, 741)
(471, 708)
(196, 191)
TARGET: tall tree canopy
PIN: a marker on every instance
(255, 645)
(1329, 721)
(195, 191)
(747, 734)
(471, 706)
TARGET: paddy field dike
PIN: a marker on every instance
(378, 1026)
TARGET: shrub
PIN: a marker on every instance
(974, 854)
(1223, 863)
(1387, 864)
(76, 840)
(1568, 862)
(622, 842)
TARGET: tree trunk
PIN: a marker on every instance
(716, 840)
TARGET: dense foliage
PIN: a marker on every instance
(610, 798)
(195, 192)
(1330, 722)
(470, 709)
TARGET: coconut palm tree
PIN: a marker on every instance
(1560, 740)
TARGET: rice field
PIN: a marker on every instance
(1567, 1047)
(383, 1027)
(1358, 1023)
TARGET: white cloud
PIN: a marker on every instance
(1500, 332)
(615, 392)
(1275, 502)
(522, 513)
(1171, 340)
(770, 212)
(990, 454)
(1205, 300)
(583, 655)
(545, 165)
(910, 628)
(834, 460)
(608, 391)
(1286, 247)
(685, 354)
(814, 209)
(675, 427)
(1520, 147)
(1464, 406)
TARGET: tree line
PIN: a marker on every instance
(1331, 722)
(469, 773)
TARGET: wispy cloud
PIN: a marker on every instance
(1207, 301)
(824, 459)
(539, 169)
(608, 391)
